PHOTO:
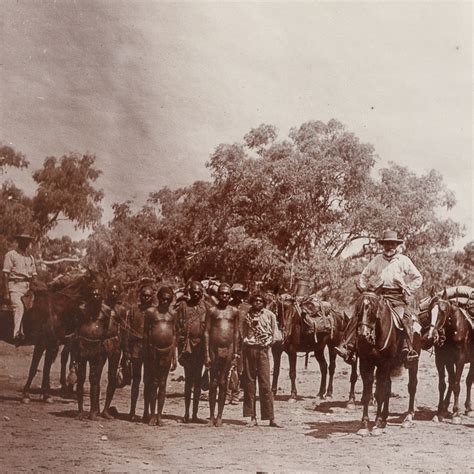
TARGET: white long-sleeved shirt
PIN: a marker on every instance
(396, 272)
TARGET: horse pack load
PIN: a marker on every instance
(316, 316)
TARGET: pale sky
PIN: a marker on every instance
(153, 87)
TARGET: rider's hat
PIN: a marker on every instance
(390, 236)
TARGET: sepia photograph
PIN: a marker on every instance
(236, 236)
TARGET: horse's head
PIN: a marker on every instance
(367, 314)
(445, 318)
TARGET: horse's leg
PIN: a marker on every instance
(81, 378)
(457, 388)
(49, 357)
(276, 352)
(351, 401)
(412, 384)
(380, 389)
(35, 360)
(469, 380)
(332, 369)
(440, 366)
(451, 380)
(323, 367)
(64, 358)
(292, 356)
(367, 374)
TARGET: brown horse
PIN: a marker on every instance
(379, 345)
(451, 334)
(46, 325)
(295, 340)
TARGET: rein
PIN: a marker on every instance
(372, 327)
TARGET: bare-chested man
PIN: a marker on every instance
(114, 344)
(92, 323)
(221, 344)
(191, 323)
(160, 352)
(134, 346)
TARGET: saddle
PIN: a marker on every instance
(316, 317)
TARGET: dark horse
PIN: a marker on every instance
(46, 325)
(451, 334)
(295, 340)
(379, 345)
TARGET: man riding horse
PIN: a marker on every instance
(19, 270)
(395, 277)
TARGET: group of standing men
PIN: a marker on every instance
(196, 331)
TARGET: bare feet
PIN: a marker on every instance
(274, 424)
(218, 423)
(252, 423)
(80, 416)
(134, 418)
(153, 421)
(25, 398)
(211, 422)
(185, 418)
(93, 415)
(48, 399)
(159, 422)
(106, 414)
(197, 420)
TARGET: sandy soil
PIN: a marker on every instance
(317, 435)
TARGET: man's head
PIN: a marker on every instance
(114, 292)
(23, 241)
(94, 295)
(146, 295)
(165, 296)
(257, 300)
(196, 290)
(390, 243)
(223, 293)
(238, 292)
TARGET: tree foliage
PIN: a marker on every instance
(65, 187)
(121, 250)
(9, 157)
(278, 209)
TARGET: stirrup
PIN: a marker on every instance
(412, 356)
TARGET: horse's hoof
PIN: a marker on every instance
(292, 400)
(407, 424)
(48, 400)
(363, 432)
(350, 406)
(456, 420)
(436, 419)
(469, 413)
(25, 399)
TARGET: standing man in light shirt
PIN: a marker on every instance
(396, 278)
(259, 332)
(19, 269)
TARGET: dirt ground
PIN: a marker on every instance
(317, 435)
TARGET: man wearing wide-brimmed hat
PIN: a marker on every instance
(395, 277)
(18, 270)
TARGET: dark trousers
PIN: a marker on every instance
(256, 367)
